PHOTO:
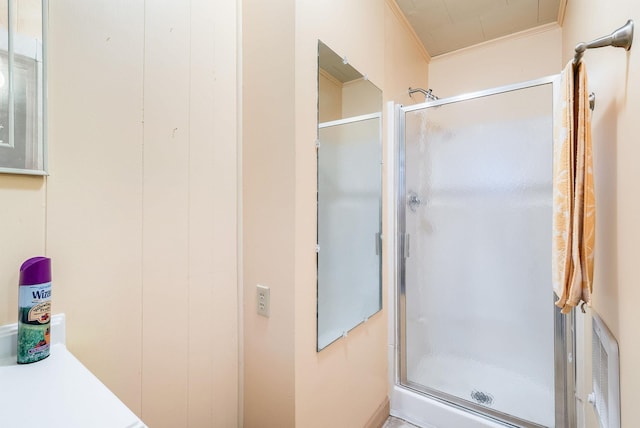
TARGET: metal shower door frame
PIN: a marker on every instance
(564, 325)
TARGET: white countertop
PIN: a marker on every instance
(57, 392)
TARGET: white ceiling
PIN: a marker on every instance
(447, 25)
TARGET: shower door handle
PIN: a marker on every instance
(378, 243)
(406, 247)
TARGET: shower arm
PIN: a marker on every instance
(620, 38)
(428, 95)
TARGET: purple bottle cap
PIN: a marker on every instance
(36, 270)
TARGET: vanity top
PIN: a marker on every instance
(57, 392)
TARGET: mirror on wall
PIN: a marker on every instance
(349, 159)
(22, 140)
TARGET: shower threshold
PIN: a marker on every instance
(483, 388)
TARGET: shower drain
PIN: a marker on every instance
(482, 397)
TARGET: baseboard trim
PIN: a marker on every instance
(380, 416)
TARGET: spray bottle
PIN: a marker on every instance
(34, 310)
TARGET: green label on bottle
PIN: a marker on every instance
(34, 322)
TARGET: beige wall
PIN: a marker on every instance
(139, 212)
(350, 376)
(337, 100)
(525, 56)
(406, 62)
(287, 382)
(354, 366)
(268, 210)
(613, 76)
(329, 98)
(22, 227)
(360, 97)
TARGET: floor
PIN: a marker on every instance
(397, 423)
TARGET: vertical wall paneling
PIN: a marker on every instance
(201, 337)
(139, 213)
(166, 214)
(213, 333)
(224, 403)
(93, 212)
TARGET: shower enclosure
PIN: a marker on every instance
(477, 331)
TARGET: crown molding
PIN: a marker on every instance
(324, 73)
(354, 81)
(561, 11)
(408, 28)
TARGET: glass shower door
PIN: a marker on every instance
(477, 313)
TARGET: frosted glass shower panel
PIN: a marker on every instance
(479, 310)
(349, 195)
